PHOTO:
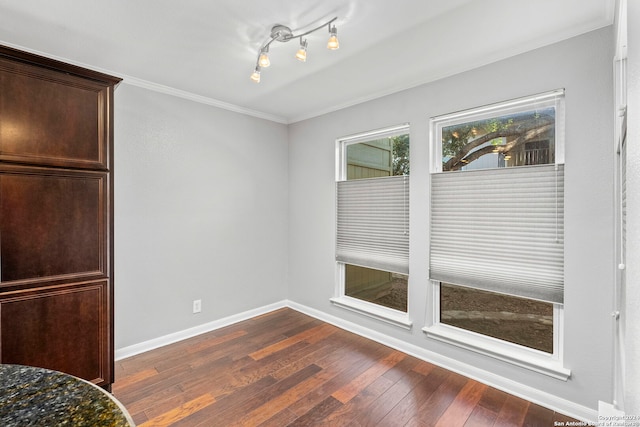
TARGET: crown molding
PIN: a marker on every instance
(134, 81)
(145, 84)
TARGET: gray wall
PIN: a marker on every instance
(583, 66)
(200, 211)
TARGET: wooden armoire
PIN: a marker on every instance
(56, 216)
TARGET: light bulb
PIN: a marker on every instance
(301, 54)
(333, 43)
(263, 60)
(256, 75)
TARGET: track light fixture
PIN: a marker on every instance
(284, 34)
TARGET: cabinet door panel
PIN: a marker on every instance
(52, 118)
(63, 328)
(52, 224)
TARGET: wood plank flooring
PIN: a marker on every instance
(288, 369)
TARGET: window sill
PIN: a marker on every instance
(512, 353)
(388, 315)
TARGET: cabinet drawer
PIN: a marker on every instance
(64, 328)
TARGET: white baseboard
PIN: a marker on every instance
(132, 350)
(523, 391)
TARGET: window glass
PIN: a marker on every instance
(518, 320)
(376, 286)
(517, 139)
(378, 158)
(521, 133)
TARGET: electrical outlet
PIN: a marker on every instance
(197, 305)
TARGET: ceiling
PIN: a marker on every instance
(206, 49)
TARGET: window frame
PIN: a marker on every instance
(550, 364)
(369, 309)
(529, 358)
(340, 299)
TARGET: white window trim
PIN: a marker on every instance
(535, 360)
(374, 311)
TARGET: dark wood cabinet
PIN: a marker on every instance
(56, 216)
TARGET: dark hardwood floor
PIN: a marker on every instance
(288, 369)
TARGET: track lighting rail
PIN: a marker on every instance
(282, 33)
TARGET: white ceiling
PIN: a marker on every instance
(206, 49)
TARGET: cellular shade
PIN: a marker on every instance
(500, 230)
(373, 223)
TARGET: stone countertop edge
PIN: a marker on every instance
(31, 396)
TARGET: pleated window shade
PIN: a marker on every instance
(373, 223)
(500, 230)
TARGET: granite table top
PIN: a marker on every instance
(41, 397)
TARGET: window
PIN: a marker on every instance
(372, 238)
(497, 230)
